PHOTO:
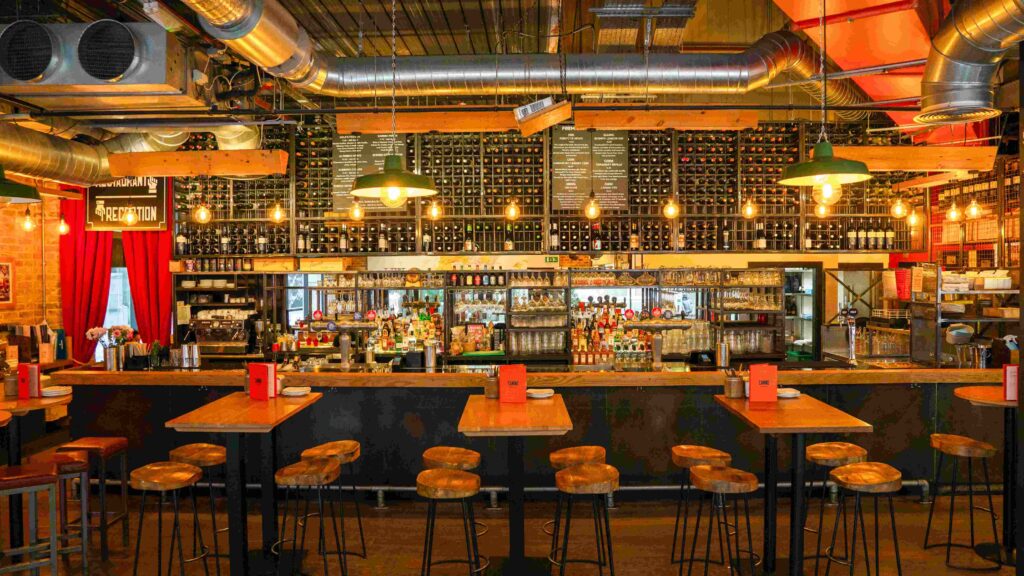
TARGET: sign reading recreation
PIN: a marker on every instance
(573, 168)
(355, 155)
(107, 204)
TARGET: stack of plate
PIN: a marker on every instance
(56, 391)
(788, 393)
(538, 393)
(295, 391)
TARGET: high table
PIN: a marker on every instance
(18, 409)
(794, 417)
(236, 415)
(992, 396)
(491, 418)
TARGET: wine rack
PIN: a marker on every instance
(765, 152)
(650, 171)
(513, 169)
(454, 162)
(313, 176)
(707, 173)
(777, 234)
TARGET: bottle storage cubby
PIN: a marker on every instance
(706, 167)
(765, 152)
(650, 171)
(313, 176)
(454, 162)
(513, 169)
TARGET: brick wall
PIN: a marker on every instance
(23, 250)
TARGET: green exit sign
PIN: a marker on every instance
(551, 259)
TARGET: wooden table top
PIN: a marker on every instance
(801, 415)
(486, 417)
(5, 418)
(236, 412)
(991, 396)
(21, 407)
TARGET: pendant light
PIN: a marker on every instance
(277, 214)
(826, 172)
(953, 214)
(973, 210)
(592, 208)
(821, 210)
(512, 210)
(393, 185)
(913, 219)
(434, 210)
(898, 209)
(130, 217)
(201, 214)
(355, 212)
(63, 227)
(671, 209)
(12, 192)
(27, 223)
(749, 209)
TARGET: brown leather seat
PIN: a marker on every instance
(451, 458)
(71, 462)
(200, 454)
(722, 480)
(833, 454)
(688, 456)
(165, 476)
(445, 484)
(576, 455)
(309, 472)
(962, 446)
(344, 451)
(870, 477)
(590, 478)
(102, 446)
(27, 476)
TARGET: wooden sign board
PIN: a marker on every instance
(929, 181)
(921, 158)
(575, 261)
(200, 163)
(106, 204)
(546, 118)
(664, 119)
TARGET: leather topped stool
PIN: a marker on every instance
(590, 479)
(864, 479)
(312, 476)
(721, 482)
(168, 479)
(203, 455)
(344, 452)
(826, 456)
(451, 458)
(70, 466)
(442, 484)
(29, 480)
(101, 450)
(958, 448)
(686, 456)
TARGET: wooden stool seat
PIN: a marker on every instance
(344, 451)
(834, 454)
(74, 462)
(576, 455)
(27, 475)
(5, 418)
(590, 478)
(451, 458)
(722, 479)
(962, 446)
(444, 484)
(309, 472)
(870, 477)
(165, 476)
(102, 446)
(688, 456)
(200, 454)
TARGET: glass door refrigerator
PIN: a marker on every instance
(803, 300)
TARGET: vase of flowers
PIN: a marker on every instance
(113, 340)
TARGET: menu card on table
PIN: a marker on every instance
(512, 383)
(1010, 373)
(764, 383)
(28, 381)
(262, 381)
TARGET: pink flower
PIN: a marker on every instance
(116, 333)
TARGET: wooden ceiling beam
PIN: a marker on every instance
(929, 181)
(921, 158)
(200, 163)
(643, 119)
(45, 187)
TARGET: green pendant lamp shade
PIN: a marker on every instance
(394, 184)
(15, 192)
(825, 168)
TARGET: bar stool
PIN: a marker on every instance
(958, 447)
(345, 452)
(591, 479)
(168, 479)
(687, 456)
(441, 484)
(101, 449)
(721, 482)
(310, 474)
(451, 458)
(29, 480)
(826, 456)
(204, 456)
(871, 478)
(70, 466)
(565, 458)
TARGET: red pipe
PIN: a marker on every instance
(867, 12)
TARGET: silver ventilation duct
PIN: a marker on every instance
(266, 34)
(957, 82)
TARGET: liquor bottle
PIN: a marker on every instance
(634, 237)
(261, 241)
(851, 238)
(810, 237)
(873, 239)
(890, 236)
(426, 240)
(760, 240)
(726, 236)
(553, 237)
(595, 237)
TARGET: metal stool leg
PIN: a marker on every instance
(991, 507)
(478, 566)
(428, 545)
(342, 561)
(682, 511)
(895, 537)
(952, 501)
(359, 514)
(696, 534)
(830, 550)
(598, 536)
(104, 551)
(124, 499)
(723, 516)
(565, 537)
(554, 531)
(213, 521)
(467, 528)
(608, 537)
(935, 497)
(323, 537)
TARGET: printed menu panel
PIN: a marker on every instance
(358, 154)
(584, 159)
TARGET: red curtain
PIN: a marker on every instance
(147, 256)
(84, 278)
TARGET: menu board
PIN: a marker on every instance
(358, 154)
(106, 204)
(581, 159)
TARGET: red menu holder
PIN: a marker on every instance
(28, 381)
(262, 381)
(512, 383)
(1010, 372)
(764, 383)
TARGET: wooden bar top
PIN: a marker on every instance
(236, 378)
(21, 407)
(237, 412)
(486, 417)
(991, 396)
(801, 415)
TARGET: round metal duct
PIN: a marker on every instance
(27, 51)
(107, 50)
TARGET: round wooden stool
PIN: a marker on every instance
(686, 456)
(102, 449)
(721, 482)
(440, 484)
(590, 479)
(864, 478)
(345, 452)
(957, 448)
(70, 466)
(29, 480)
(203, 455)
(565, 458)
(451, 458)
(826, 456)
(164, 478)
(300, 481)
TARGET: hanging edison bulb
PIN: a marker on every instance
(821, 210)
(27, 223)
(973, 210)
(130, 217)
(827, 193)
(202, 214)
(671, 209)
(592, 209)
(913, 219)
(394, 196)
(512, 210)
(63, 227)
(277, 214)
(898, 209)
(434, 210)
(356, 211)
(953, 214)
(749, 209)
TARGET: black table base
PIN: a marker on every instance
(525, 567)
(16, 503)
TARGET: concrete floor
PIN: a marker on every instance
(642, 534)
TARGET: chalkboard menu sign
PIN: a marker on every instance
(358, 154)
(573, 167)
(106, 204)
